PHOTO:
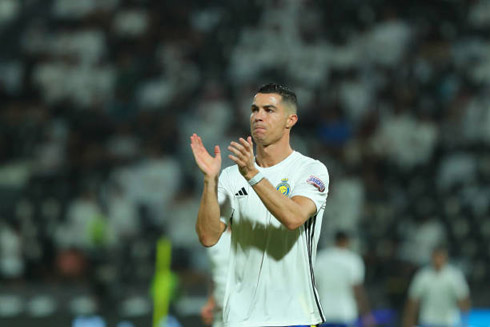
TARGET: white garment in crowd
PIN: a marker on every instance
(337, 271)
(438, 293)
(219, 258)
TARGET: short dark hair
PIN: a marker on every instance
(441, 248)
(341, 236)
(285, 92)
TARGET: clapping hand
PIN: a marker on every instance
(210, 166)
(243, 156)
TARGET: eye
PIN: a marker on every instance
(254, 109)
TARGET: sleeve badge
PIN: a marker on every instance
(316, 182)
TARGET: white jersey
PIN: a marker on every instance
(271, 280)
(219, 259)
(438, 293)
(337, 271)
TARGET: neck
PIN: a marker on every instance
(272, 154)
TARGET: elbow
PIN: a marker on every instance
(205, 238)
(292, 223)
(207, 241)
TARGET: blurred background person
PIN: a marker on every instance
(438, 295)
(339, 275)
(212, 311)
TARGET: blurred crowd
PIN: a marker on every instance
(99, 98)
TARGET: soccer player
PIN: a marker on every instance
(340, 278)
(274, 202)
(440, 291)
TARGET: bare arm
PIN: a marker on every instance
(208, 225)
(410, 313)
(207, 311)
(362, 302)
(361, 299)
(464, 304)
(291, 212)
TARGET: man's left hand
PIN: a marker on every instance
(243, 156)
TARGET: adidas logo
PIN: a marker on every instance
(242, 192)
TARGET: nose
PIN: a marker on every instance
(258, 115)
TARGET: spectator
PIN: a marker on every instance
(340, 278)
(440, 292)
(212, 311)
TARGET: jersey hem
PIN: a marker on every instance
(272, 324)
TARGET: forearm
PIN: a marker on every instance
(284, 209)
(410, 314)
(208, 224)
(361, 299)
(464, 304)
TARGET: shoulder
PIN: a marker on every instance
(312, 168)
(309, 162)
(352, 258)
(424, 273)
(453, 271)
(356, 257)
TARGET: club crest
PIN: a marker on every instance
(284, 187)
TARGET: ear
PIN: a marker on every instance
(291, 121)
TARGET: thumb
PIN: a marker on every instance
(217, 152)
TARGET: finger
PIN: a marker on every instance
(195, 140)
(236, 160)
(244, 143)
(249, 139)
(235, 151)
(233, 158)
(199, 146)
(237, 145)
(217, 152)
(196, 147)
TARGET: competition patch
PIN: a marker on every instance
(316, 182)
(284, 187)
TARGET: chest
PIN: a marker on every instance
(439, 285)
(249, 207)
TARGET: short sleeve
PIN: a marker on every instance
(313, 184)
(225, 198)
(460, 285)
(358, 271)
(416, 287)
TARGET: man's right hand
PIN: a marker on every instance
(207, 312)
(210, 166)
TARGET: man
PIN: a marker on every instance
(274, 202)
(340, 277)
(439, 291)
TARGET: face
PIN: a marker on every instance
(439, 259)
(270, 120)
